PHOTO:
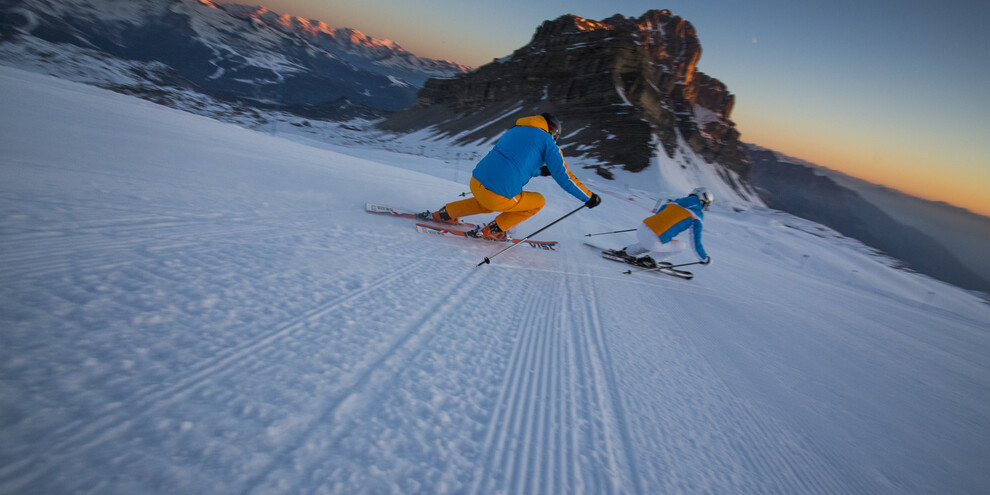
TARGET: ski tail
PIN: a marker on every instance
(391, 211)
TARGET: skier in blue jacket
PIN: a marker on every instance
(656, 233)
(525, 151)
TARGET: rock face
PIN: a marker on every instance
(620, 85)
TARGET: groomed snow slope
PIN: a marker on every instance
(192, 307)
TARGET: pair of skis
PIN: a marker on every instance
(459, 230)
(662, 267)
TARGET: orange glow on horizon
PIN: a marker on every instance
(918, 163)
(916, 176)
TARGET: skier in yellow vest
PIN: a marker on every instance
(656, 233)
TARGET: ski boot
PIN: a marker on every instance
(649, 262)
(646, 262)
(621, 253)
(490, 232)
(439, 216)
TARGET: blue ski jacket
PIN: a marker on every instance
(676, 217)
(518, 156)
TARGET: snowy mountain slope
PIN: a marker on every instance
(188, 306)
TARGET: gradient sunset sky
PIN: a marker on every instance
(894, 92)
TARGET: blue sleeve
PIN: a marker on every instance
(696, 234)
(560, 173)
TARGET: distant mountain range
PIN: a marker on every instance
(229, 52)
(933, 238)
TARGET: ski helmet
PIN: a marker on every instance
(702, 194)
(553, 125)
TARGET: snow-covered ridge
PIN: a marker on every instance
(248, 54)
(386, 52)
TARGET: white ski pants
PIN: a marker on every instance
(649, 242)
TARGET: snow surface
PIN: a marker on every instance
(188, 306)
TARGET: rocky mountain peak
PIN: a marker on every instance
(669, 40)
(622, 85)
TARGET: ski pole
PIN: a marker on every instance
(613, 232)
(514, 244)
(627, 272)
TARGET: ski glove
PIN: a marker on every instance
(707, 260)
(594, 201)
(544, 171)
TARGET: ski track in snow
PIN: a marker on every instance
(220, 316)
(559, 355)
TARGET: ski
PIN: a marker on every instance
(666, 270)
(392, 211)
(674, 272)
(458, 232)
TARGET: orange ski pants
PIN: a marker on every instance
(514, 210)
